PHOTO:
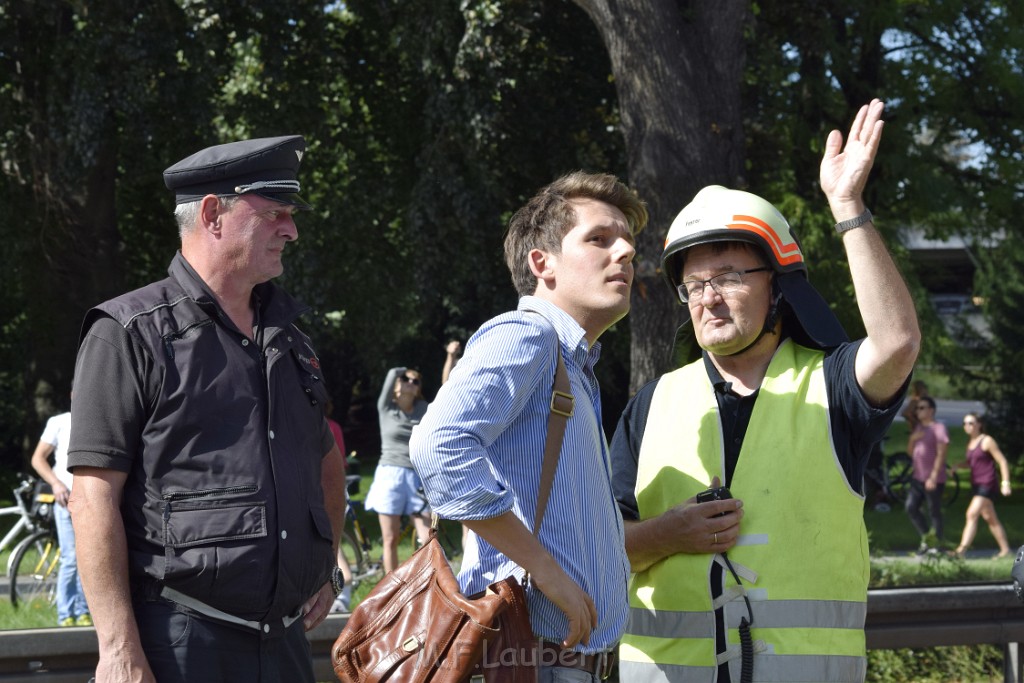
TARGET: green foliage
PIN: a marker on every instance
(428, 123)
(962, 663)
(937, 570)
(1000, 281)
(36, 615)
(950, 161)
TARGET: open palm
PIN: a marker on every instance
(844, 172)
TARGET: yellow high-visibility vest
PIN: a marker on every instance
(802, 554)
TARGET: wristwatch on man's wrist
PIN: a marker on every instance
(337, 581)
(855, 222)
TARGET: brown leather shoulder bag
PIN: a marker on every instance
(415, 625)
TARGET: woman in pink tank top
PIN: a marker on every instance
(983, 455)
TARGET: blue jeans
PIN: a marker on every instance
(558, 674)
(70, 597)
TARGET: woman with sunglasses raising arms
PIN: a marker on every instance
(983, 454)
(396, 489)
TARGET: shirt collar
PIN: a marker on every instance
(571, 336)
(276, 306)
(717, 381)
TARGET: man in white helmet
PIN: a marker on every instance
(781, 409)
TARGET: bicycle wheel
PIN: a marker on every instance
(952, 488)
(358, 561)
(33, 574)
(899, 471)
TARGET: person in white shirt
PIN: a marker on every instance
(72, 609)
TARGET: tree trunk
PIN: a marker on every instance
(64, 163)
(678, 68)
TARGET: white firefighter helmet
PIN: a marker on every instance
(718, 214)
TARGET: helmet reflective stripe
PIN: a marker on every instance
(785, 252)
(718, 214)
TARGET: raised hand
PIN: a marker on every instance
(844, 171)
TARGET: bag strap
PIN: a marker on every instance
(562, 405)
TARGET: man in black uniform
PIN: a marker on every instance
(209, 491)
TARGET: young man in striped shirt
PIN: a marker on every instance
(480, 446)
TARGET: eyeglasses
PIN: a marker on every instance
(410, 380)
(724, 284)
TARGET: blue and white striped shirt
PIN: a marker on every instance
(479, 450)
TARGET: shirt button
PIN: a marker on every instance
(284, 534)
(271, 433)
(245, 342)
(266, 628)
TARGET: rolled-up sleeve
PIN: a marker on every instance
(487, 390)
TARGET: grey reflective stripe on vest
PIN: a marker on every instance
(770, 614)
(767, 669)
(638, 672)
(665, 624)
(800, 614)
(799, 669)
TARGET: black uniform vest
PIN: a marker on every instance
(224, 503)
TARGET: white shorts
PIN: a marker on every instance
(396, 491)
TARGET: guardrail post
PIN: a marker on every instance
(1011, 663)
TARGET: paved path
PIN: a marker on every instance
(910, 555)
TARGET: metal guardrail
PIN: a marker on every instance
(897, 618)
(949, 615)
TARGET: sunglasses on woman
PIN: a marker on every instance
(411, 380)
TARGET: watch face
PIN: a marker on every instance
(337, 580)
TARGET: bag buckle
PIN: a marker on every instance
(562, 398)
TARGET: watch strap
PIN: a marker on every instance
(855, 222)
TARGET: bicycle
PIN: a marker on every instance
(32, 570)
(24, 495)
(357, 545)
(896, 473)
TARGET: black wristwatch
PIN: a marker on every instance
(337, 581)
